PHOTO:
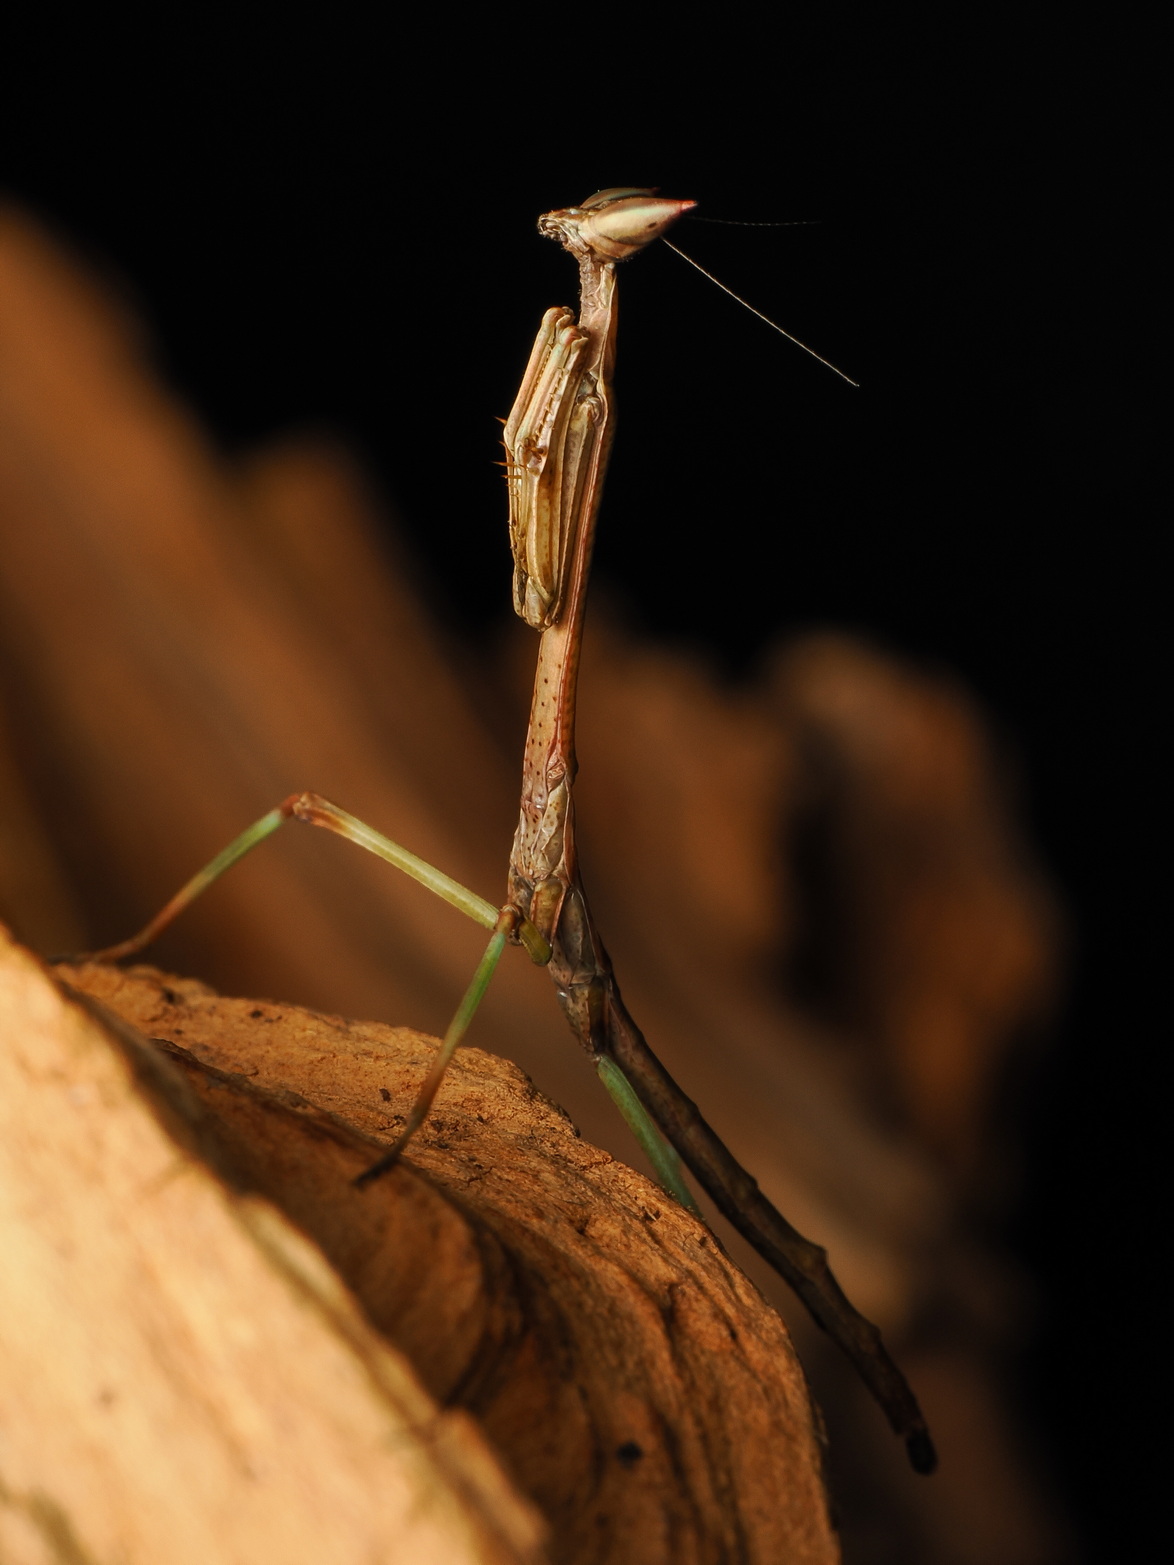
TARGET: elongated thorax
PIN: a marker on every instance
(557, 440)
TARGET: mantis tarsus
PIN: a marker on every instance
(557, 441)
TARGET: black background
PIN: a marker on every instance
(328, 223)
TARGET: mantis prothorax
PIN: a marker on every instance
(557, 441)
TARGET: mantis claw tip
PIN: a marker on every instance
(377, 1170)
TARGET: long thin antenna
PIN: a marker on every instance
(747, 305)
(740, 222)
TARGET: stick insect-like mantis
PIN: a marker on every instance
(557, 441)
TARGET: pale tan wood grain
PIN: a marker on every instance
(184, 1377)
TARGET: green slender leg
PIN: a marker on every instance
(199, 882)
(505, 923)
(317, 811)
(660, 1153)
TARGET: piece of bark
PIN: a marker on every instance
(636, 1387)
(184, 1378)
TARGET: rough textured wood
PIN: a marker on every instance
(184, 1378)
(634, 1384)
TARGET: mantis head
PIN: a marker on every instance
(613, 224)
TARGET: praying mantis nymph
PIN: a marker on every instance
(557, 442)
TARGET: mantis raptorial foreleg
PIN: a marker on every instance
(547, 437)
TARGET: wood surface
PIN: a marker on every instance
(215, 1348)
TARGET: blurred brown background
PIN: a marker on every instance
(251, 540)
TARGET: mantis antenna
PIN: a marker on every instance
(746, 305)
